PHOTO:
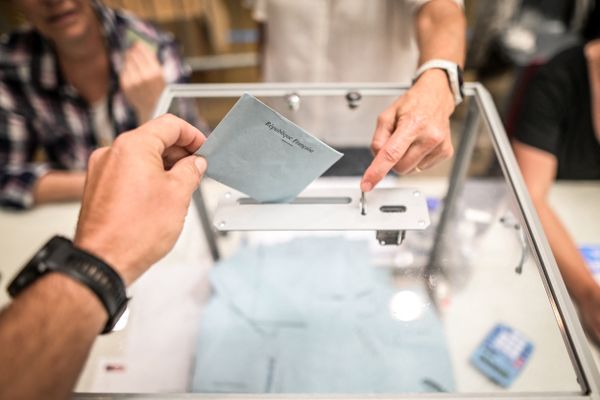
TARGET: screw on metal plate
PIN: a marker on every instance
(510, 222)
(387, 238)
(293, 101)
(353, 99)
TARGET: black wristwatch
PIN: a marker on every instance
(60, 255)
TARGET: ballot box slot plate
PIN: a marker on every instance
(332, 209)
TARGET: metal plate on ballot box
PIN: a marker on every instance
(326, 209)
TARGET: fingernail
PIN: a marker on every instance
(366, 186)
(200, 164)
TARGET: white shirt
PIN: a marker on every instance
(339, 41)
(101, 121)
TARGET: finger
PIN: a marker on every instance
(132, 74)
(187, 172)
(137, 62)
(430, 141)
(442, 152)
(169, 130)
(385, 126)
(147, 55)
(390, 154)
(147, 61)
(126, 72)
(174, 154)
(415, 153)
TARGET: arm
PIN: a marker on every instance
(592, 54)
(125, 183)
(45, 336)
(539, 169)
(58, 186)
(414, 132)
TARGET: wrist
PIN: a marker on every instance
(74, 292)
(434, 82)
(58, 257)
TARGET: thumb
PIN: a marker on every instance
(188, 171)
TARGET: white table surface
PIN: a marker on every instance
(166, 303)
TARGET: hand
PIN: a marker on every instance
(589, 312)
(137, 194)
(142, 80)
(414, 132)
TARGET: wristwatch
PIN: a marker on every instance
(60, 255)
(453, 71)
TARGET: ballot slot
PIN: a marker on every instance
(302, 200)
(332, 209)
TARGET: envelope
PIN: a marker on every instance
(259, 152)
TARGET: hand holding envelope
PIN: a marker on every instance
(259, 152)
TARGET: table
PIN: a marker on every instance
(175, 289)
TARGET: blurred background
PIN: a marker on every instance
(507, 40)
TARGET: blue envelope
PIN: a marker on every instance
(259, 152)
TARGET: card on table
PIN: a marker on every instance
(259, 152)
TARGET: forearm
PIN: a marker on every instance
(46, 334)
(59, 186)
(441, 28)
(594, 75)
(576, 275)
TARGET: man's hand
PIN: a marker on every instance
(142, 80)
(414, 132)
(137, 194)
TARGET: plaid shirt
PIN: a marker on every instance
(39, 110)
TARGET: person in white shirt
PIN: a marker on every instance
(371, 41)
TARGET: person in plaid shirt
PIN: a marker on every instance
(80, 75)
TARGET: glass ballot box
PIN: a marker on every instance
(461, 298)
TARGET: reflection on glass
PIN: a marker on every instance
(407, 305)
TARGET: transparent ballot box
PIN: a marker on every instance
(453, 293)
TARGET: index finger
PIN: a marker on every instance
(169, 130)
(389, 155)
(145, 55)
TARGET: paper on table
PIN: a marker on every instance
(261, 153)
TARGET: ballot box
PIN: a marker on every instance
(455, 294)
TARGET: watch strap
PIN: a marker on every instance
(60, 255)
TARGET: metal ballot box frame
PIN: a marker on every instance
(479, 111)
